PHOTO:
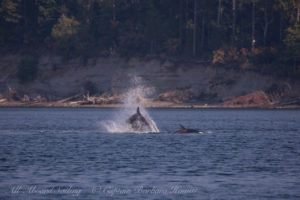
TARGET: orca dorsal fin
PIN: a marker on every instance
(138, 111)
(182, 127)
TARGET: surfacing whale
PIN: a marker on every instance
(138, 122)
(184, 130)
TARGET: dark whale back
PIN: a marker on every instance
(184, 130)
(138, 122)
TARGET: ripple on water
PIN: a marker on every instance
(244, 154)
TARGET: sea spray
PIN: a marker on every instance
(134, 97)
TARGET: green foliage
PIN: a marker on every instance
(66, 35)
(27, 69)
(65, 28)
(132, 44)
(292, 41)
(137, 28)
(218, 56)
(228, 55)
(9, 17)
(9, 12)
(48, 12)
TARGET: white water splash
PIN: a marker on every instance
(134, 97)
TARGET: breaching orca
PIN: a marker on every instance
(184, 130)
(138, 122)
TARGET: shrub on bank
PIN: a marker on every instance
(27, 69)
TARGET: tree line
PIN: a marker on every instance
(248, 33)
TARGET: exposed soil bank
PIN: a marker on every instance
(103, 82)
(182, 106)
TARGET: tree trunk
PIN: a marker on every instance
(152, 46)
(233, 21)
(280, 29)
(266, 23)
(186, 16)
(203, 32)
(181, 24)
(219, 13)
(298, 14)
(253, 26)
(25, 35)
(114, 10)
(195, 28)
(89, 9)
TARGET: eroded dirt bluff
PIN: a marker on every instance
(173, 81)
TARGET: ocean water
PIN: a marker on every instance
(65, 153)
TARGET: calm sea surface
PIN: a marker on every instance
(58, 153)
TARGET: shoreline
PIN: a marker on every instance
(169, 106)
